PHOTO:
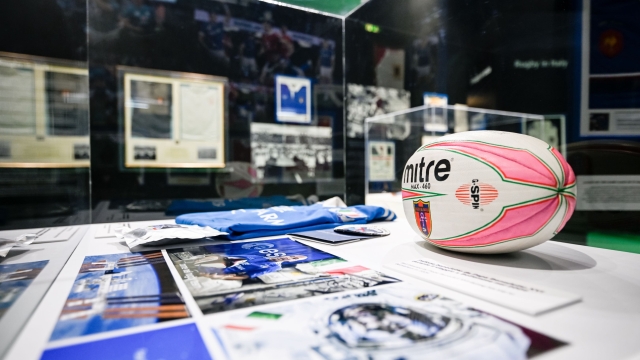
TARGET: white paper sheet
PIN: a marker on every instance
(514, 294)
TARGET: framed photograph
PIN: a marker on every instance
(293, 99)
(369, 101)
(173, 120)
(291, 153)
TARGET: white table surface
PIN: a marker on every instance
(605, 325)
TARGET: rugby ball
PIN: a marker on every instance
(487, 192)
(241, 181)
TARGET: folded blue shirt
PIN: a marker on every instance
(280, 220)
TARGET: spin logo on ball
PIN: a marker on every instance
(476, 194)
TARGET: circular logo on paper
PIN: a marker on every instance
(476, 194)
(257, 246)
(383, 326)
(368, 230)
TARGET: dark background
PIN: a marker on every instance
(466, 37)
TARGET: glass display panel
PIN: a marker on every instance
(387, 153)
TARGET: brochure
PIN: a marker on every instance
(15, 279)
(120, 291)
(232, 276)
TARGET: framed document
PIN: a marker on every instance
(44, 112)
(173, 120)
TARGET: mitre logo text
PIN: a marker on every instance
(476, 194)
(421, 171)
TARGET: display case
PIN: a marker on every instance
(117, 115)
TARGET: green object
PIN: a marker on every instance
(337, 7)
(614, 241)
(264, 315)
(326, 262)
(372, 28)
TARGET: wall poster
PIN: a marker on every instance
(610, 105)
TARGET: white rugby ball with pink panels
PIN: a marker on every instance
(487, 192)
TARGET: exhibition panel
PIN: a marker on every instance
(314, 179)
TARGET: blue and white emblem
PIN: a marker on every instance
(293, 99)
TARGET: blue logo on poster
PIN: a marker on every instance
(293, 103)
(293, 99)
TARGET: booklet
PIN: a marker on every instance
(328, 237)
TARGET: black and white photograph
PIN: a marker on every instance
(81, 152)
(368, 101)
(291, 153)
(144, 152)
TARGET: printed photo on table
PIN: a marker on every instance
(15, 279)
(179, 342)
(393, 322)
(119, 291)
(233, 276)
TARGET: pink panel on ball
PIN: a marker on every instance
(570, 177)
(571, 205)
(515, 223)
(514, 164)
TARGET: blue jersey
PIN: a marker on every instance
(214, 35)
(280, 220)
(326, 57)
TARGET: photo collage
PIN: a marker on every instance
(176, 303)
